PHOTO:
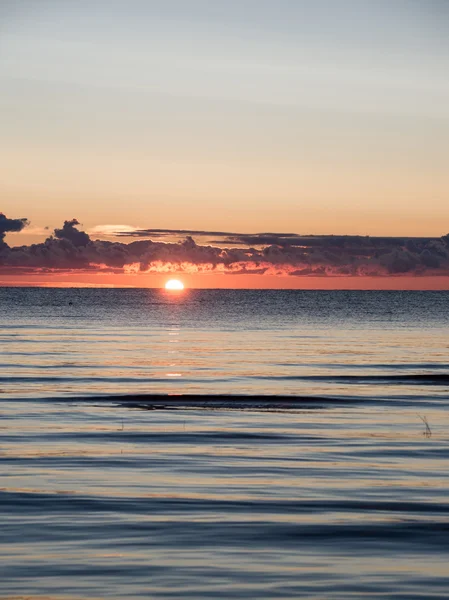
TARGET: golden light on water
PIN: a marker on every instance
(174, 285)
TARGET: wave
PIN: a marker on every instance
(239, 402)
(34, 502)
(398, 379)
(421, 378)
(401, 528)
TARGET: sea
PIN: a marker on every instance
(217, 444)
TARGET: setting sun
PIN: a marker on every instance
(174, 284)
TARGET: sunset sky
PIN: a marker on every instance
(314, 118)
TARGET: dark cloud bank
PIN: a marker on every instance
(70, 248)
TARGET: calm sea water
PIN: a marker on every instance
(224, 444)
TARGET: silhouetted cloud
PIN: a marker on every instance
(168, 232)
(266, 253)
(216, 237)
(70, 232)
(13, 225)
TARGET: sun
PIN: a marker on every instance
(174, 284)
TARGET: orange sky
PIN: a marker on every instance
(284, 118)
(228, 281)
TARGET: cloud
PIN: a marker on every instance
(147, 233)
(71, 233)
(282, 254)
(112, 230)
(12, 225)
(216, 237)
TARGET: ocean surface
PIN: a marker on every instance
(223, 444)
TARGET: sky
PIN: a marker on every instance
(318, 118)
